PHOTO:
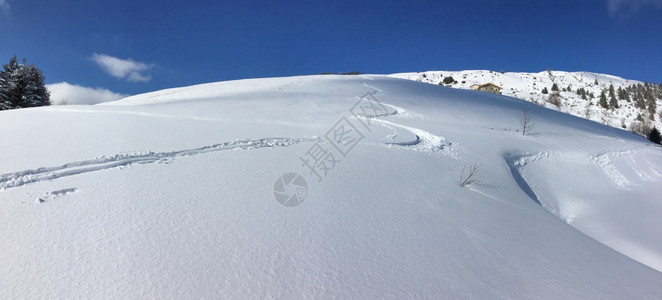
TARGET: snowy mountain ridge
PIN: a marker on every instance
(529, 86)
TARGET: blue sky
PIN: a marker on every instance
(138, 46)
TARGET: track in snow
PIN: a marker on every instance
(16, 179)
(52, 195)
(423, 140)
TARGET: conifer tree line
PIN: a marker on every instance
(22, 85)
(644, 96)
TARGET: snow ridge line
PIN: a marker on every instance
(605, 162)
(16, 179)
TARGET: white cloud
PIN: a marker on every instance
(128, 69)
(625, 8)
(65, 93)
(4, 6)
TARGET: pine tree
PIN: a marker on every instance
(22, 85)
(582, 93)
(596, 82)
(641, 104)
(555, 88)
(603, 100)
(8, 92)
(621, 93)
(544, 90)
(613, 103)
(4, 105)
(654, 136)
(651, 103)
(448, 80)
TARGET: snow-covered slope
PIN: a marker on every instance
(177, 194)
(529, 86)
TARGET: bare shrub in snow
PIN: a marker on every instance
(640, 128)
(470, 174)
(555, 99)
(526, 123)
(587, 112)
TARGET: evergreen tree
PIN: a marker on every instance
(555, 88)
(448, 80)
(603, 100)
(596, 82)
(621, 93)
(641, 104)
(4, 105)
(8, 91)
(651, 103)
(613, 103)
(654, 136)
(544, 90)
(22, 85)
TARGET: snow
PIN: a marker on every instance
(170, 194)
(528, 86)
